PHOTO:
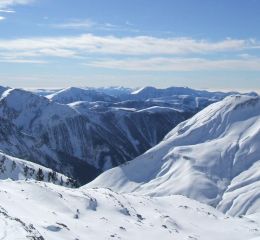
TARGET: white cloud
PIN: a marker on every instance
(83, 24)
(140, 53)
(177, 64)
(2, 18)
(140, 45)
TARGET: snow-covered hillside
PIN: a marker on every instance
(214, 157)
(18, 169)
(33, 210)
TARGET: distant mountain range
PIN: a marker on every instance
(82, 132)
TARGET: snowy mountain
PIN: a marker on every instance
(214, 158)
(34, 210)
(179, 98)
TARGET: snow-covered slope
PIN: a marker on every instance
(213, 157)
(33, 210)
(18, 169)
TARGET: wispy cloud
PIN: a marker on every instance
(140, 45)
(177, 64)
(2, 18)
(87, 24)
(139, 53)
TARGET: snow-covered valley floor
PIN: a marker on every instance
(38, 210)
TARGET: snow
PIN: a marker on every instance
(34, 210)
(208, 158)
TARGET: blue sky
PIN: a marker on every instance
(204, 44)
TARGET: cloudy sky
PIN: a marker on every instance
(205, 44)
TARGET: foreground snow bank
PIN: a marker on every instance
(34, 210)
